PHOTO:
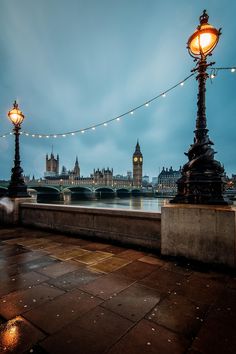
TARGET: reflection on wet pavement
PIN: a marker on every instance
(62, 294)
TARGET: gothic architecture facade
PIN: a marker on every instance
(52, 166)
(167, 180)
(103, 177)
(137, 166)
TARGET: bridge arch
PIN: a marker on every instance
(123, 193)
(78, 193)
(104, 192)
(47, 193)
(136, 192)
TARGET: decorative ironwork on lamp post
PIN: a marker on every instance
(202, 176)
(17, 187)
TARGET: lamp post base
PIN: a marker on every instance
(200, 188)
(15, 191)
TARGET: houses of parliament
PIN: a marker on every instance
(103, 177)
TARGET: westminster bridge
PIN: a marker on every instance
(68, 191)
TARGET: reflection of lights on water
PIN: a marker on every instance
(11, 335)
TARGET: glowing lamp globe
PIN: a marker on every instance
(15, 115)
(202, 42)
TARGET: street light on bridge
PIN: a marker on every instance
(17, 187)
(202, 176)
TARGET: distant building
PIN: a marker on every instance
(166, 182)
(154, 181)
(76, 170)
(99, 177)
(52, 166)
(137, 166)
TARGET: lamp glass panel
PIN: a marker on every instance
(203, 40)
(16, 116)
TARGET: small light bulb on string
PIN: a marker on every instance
(27, 134)
(72, 133)
(132, 112)
(182, 83)
(33, 135)
(93, 128)
(47, 136)
(105, 124)
(163, 95)
(64, 135)
(118, 118)
(40, 136)
(212, 76)
(233, 70)
(146, 104)
(82, 131)
(55, 136)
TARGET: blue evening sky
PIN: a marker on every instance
(75, 63)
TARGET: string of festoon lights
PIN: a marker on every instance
(213, 74)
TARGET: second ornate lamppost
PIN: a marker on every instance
(202, 176)
(17, 187)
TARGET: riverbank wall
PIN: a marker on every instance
(138, 228)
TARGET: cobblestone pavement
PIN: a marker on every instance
(61, 294)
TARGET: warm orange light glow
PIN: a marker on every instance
(203, 40)
(10, 336)
(15, 115)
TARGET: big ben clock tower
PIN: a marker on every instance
(137, 166)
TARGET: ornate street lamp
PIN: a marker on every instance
(202, 176)
(17, 187)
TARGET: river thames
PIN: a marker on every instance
(136, 203)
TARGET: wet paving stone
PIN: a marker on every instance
(111, 264)
(152, 260)
(21, 281)
(14, 269)
(21, 301)
(37, 263)
(201, 289)
(59, 315)
(94, 333)
(49, 247)
(107, 285)
(95, 246)
(147, 337)
(21, 258)
(69, 253)
(32, 242)
(93, 257)
(75, 279)
(118, 312)
(115, 249)
(57, 269)
(215, 337)
(13, 250)
(137, 270)
(36, 349)
(134, 302)
(131, 254)
(164, 281)
(18, 336)
(180, 268)
(179, 314)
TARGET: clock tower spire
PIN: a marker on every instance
(137, 166)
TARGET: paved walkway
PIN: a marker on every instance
(60, 294)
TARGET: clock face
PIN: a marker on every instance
(140, 159)
(135, 159)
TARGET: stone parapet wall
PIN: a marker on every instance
(137, 228)
(206, 233)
